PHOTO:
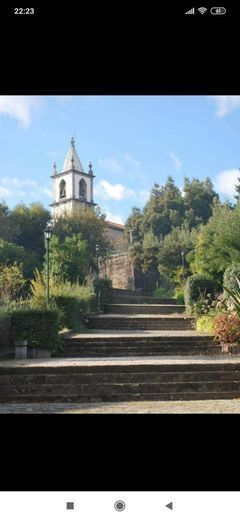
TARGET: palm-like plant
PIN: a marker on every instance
(235, 296)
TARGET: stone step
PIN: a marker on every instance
(125, 292)
(136, 322)
(174, 396)
(120, 392)
(95, 366)
(133, 337)
(98, 378)
(108, 351)
(143, 308)
(119, 381)
(143, 300)
(89, 346)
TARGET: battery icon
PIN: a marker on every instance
(218, 10)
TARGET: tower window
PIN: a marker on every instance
(82, 190)
(62, 191)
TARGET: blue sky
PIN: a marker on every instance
(132, 142)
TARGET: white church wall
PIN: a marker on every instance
(66, 207)
(69, 187)
(88, 183)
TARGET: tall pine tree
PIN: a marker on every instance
(237, 188)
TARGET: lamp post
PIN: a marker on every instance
(47, 235)
(97, 256)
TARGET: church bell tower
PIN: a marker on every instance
(72, 187)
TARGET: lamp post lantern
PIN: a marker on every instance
(47, 235)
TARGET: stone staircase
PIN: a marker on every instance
(139, 315)
(140, 348)
(127, 380)
(123, 345)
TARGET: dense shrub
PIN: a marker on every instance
(38, 327)
(229, 278)
(11, 281)
(205, 324)
(227, 327)
(161, 292)
(73, 301)
(198, 286)
(179, 295)
(73, 309)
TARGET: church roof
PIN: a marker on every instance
(72, 160)
(115, 225)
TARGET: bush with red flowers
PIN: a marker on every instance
(227, 327)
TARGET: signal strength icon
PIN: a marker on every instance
(191, 11)
(202, 10)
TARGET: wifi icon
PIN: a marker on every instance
(202, 10)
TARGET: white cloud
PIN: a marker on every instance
(111, 164)
(177, 162)
(4, 192)
(226, 180)
(15, 182)
(106, 190)
(11, 187)
(225, 104)
(133, 162)
(19, 107)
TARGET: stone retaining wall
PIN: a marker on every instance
(119, 269)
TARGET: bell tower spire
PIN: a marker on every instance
(72, 187)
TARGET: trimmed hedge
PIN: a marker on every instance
(229, 279)
(5, 328)
(39, 327)
(197, 284)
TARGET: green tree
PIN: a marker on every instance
(6, 229)
(133, 226)
(150, 252)
(29, 224)
(90, 225)
(134, 234)
(69, 258)
(13, 254)
(199, 197)
(170, 252)
(237, 188)
(218, 242)
(11, 282)
(164, 210)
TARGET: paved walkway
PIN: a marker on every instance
(230, 406)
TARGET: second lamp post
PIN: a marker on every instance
(47, 235)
